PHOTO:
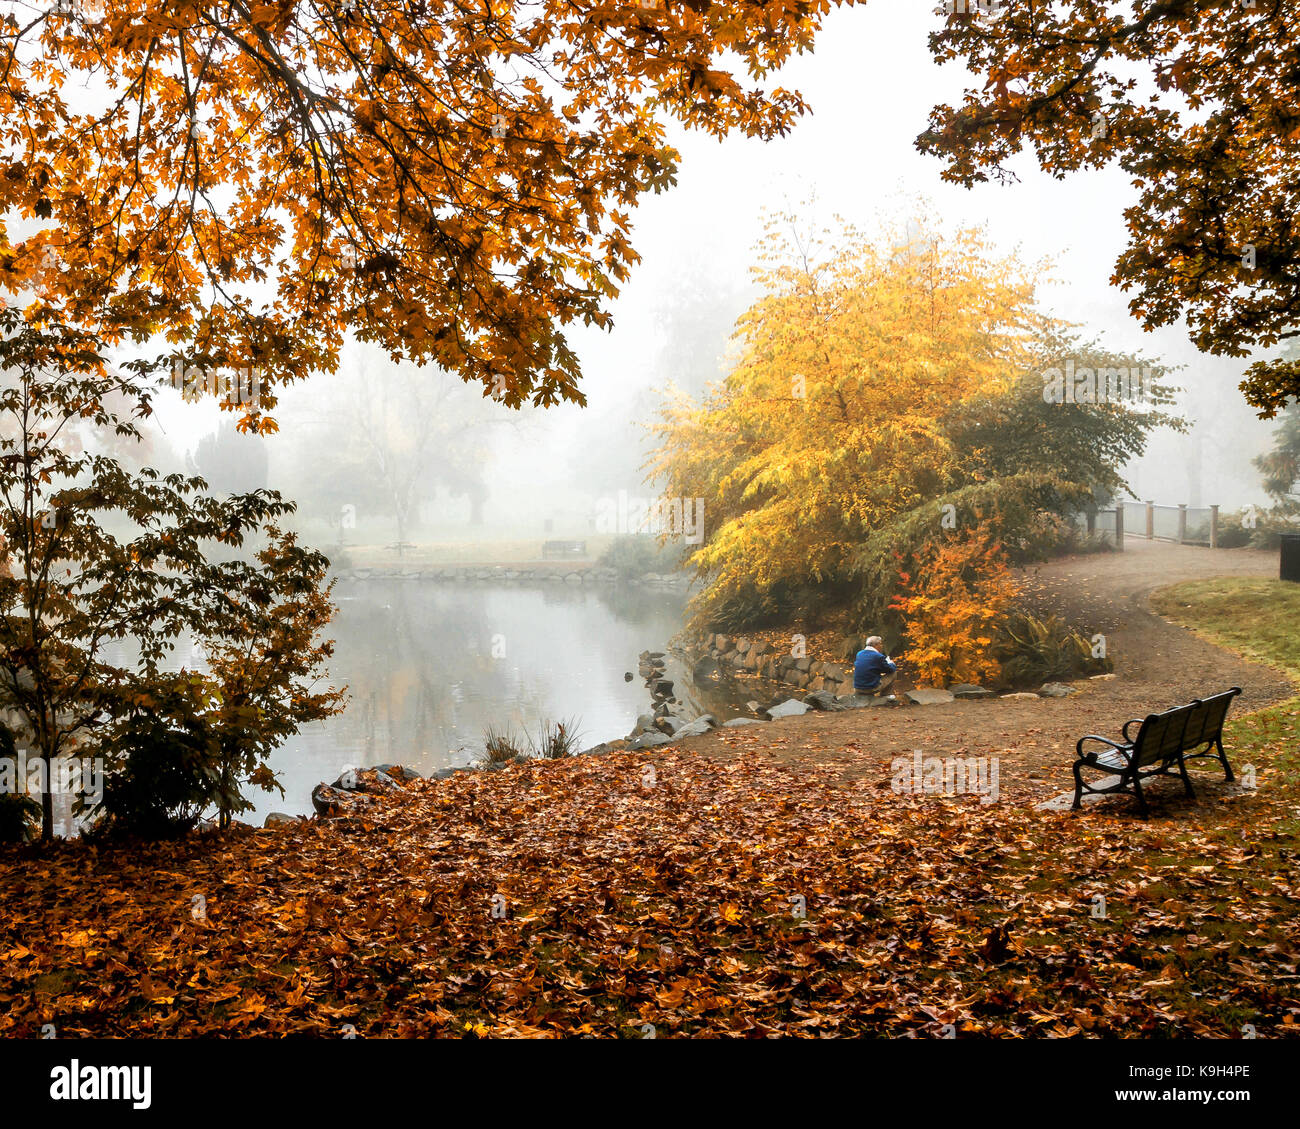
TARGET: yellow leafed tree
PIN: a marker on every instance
(834, 421)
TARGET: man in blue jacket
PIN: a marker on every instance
(873, 672)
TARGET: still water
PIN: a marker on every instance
(430, 665)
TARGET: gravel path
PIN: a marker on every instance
(1157, 665)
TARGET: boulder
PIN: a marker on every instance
(737, 722)
(966, 691)
(928, 696)
(661, 688)
(762, 647)
(824, 700)
(671, 725)
(722, 643)
(1056, 690)
(803, 666)
(644, 723)
(697, 728)
(400, 773)
(742, 645)
(328, 800)
(650, 740)
(791, 707)
(706, 668)
(281, 819)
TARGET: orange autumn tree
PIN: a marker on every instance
(452, 181)
(954, 606)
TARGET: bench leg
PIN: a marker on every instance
(1223, 759)
(1187, 780)
(1078, 789)
(1141, 799)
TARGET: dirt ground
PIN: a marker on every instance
(1157, 665)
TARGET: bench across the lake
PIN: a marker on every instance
(553, 549)
(1162, 746)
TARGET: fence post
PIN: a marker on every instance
(1119, 526)
(1214, 527)
(1182, 522)
(1151, 521)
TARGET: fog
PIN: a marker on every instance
(870, 84)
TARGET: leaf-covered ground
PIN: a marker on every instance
(627, 894)
(749, 891)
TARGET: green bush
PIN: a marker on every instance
(635, 555)
(1033, 651)
(20, 814)
(163, 781)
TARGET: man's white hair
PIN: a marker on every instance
(875, 642)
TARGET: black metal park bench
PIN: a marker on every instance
(1162, 746)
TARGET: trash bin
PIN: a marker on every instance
(1291, 557)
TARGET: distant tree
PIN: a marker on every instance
(383, 438)
(229, 460)
(1280, 467)
(1195, 101)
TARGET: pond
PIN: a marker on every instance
(430, 665)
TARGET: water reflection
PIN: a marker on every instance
(430, 666)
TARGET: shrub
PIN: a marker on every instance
(1032, 651)
(952, 608)
(555, 740)
(500, 747)
(20, 814)
(637, 554)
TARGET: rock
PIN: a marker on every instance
(1021, 696)
(661, 710)
(661, 688)
(825, 700)
(706, 668)
(928, 696)
(1101, 678)
(849, 647)
(369, 780)
(281, 819)
(650, 740)
(697, 728)
(803, 666)
(762, 647)
(967, 692)
(722, 643)
(671, 725)
(753, 706)
(627, 676)
(742, 645)
(328, 800)
(444, 774)
(791, 707)
(1056, 690)
(737, 722)
(400, 773)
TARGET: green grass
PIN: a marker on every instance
(1255, 617)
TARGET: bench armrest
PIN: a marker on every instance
(1126, 751)
(1124, 728)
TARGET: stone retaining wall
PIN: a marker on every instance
(504, 574)
(760, 658)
